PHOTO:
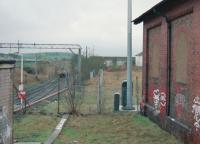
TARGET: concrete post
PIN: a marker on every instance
(22, 69)
(100, 98)
(79, 67)
(36, 67)
(129, 58)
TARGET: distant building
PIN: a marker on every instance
(120, 62)
(171, 71)
(6, 101)
(139, 59)
(114, 61)
(108, 63)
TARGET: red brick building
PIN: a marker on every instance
(6, 101)
(171, 67)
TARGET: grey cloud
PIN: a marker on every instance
(99, 23)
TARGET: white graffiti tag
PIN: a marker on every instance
(180, 99)
(159, 99)
(156, 98)
(196, 112)
(162, 99)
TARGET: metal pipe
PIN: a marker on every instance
(24, 47)
(129, 57)
(168, 63)
(39, 46)
(34, 44)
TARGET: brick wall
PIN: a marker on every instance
(6, 103)
(179, 95)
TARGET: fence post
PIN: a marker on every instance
(137, 93)
(58, 94)
(100, 101)
(79, 67)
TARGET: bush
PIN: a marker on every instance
(29, 70)
(93, 63)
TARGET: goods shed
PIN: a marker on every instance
(171, 67)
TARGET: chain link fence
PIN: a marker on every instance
(96, 93)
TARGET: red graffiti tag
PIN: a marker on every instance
(163, 102)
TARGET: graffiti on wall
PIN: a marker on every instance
(156, 98)
(179, 104)
(151, 94)
(180, 101)
(162, 104)
(196, 112)
(5, 129)
(159, 99)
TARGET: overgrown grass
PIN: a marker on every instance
(110, 128)
(34, 128)
(120, 128)
(37, 124)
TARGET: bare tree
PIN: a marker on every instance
(74, 95)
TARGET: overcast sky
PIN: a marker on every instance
(99, 24)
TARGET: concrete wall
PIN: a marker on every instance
(172, 94)
(138, 61)
(120, 63)
(6, 102)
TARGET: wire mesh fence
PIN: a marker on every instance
(45, 113)
(45, 104)
(112, 83)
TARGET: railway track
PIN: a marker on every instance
(40, 92)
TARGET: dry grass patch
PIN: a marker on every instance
(120, 128)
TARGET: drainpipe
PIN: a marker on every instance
(169, 29)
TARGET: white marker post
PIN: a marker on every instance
(21, 85)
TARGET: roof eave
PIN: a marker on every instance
(161, 7)
(148, 13)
